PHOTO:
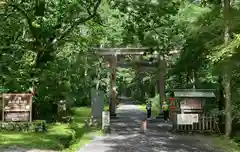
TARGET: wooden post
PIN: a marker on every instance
(113, 94)
(105, 119)
(172, 108)
(30, 112)
(3, 107)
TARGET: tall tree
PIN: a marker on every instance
(227, 71)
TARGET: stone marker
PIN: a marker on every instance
(106, 121)
(97, 103)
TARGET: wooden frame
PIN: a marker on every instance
(30, 105)
(205, 124)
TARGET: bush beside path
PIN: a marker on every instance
(67, 137)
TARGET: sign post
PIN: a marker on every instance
(106, 121)
(17, 107)
(172, 107)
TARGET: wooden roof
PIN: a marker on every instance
(196, 94)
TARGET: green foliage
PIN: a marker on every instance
(47, 45)
(82, 134)
(42, 48)
(55, 138)
(36, 126)
(68, 137)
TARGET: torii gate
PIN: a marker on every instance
(113, 55)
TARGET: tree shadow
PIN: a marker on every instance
(157, 138)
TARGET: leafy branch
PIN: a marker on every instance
(76, 22)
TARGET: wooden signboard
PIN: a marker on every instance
(187, 119)
(17, 107)
(191, 104)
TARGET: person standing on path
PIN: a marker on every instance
(165, 108)
(149, 109)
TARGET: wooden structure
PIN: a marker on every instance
(17, 107)
(187, 111)
(205, 124)
(116, 58)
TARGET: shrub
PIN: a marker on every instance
(36, 126)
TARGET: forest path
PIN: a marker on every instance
(126, 137)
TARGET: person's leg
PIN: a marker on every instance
(148, 113)
(165, 115)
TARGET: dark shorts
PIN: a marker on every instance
(149, 113)
(166, 114)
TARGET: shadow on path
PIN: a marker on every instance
(126, 136)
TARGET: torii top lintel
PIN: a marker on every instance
(119, 51)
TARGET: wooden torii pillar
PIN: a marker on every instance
(112, 55)
(163, 67)
(113, 87)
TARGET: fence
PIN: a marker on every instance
(205, 124)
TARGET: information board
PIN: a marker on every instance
(187, 119)
(17, 107)
(190, 104)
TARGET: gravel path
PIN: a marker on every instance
(125, 136)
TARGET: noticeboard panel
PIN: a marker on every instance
(17, 107)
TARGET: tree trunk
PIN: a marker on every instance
(162, 68)
(227, 72)
(221, 103)
(156, 88)
(228, 102)
(152, 90)
(193, 80)
(187, 79)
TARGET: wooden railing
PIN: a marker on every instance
(205, 124)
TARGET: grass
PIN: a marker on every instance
(83, 134)
(228, 145)
(58, 137)
(53, 139)
(155, 110)
(86, 138)
(106, 108)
